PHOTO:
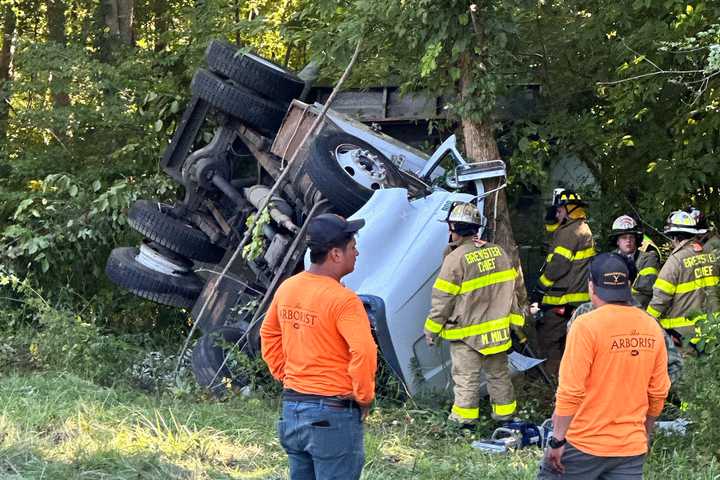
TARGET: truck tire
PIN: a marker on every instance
(256, 73)
(177, 290)
(348, 185)
(238, 101)
(208, 356)
(154, 221)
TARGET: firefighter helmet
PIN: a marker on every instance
(681, 221)
(700, 220)
(624, 225)
(569, 197)
(465, 213)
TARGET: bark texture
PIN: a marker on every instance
(6, 57)
(118, 16)
(481, 146)
(56, 34)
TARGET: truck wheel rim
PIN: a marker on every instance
(150, 258)
(363, 166)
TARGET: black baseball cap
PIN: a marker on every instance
(327, 228)
(610, 277)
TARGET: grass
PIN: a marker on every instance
(63, 427)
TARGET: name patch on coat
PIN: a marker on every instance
(482, 254)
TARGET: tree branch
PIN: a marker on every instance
(651, 74)
(639, 55)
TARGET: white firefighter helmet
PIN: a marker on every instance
(699, 217)
(465, 213)
(681, 221)
(625, 224)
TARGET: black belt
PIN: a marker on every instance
(290, 395)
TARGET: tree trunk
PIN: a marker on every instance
(118, 18)
(237, 21)
(481, 146)
(56, 34)
(6, 55)
(126, 12)
(160, 14)
(110, 16)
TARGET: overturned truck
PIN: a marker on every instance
(258, 120)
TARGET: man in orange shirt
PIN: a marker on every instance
(316, 340)
(613, 384)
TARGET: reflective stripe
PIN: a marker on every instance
(447, 287)
(551, 227)
(686, 287)
(548, 258)
(546, 281)
(679, 322)
(497, 349)
(579, 255)
(633, 291)
(697, 284)
(648, 271)
(466, 413)
(664, 286)
(653, 312)
(517, 319)
(503, 410)
(475, 283)
(486, 280)
(583, 254)
(479, 329)
(567, 298)
(565, 252)
(432, 326)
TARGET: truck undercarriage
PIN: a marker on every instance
(346, 168)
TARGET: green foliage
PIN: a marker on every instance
(423, 45)
(44, 336)
(60, 219)
(531, 145)
(155, 373)
(255, 246)
(701, 400)
(63, 229)
(61, 338)
(629, 90)
(254, 369)
(62, 426)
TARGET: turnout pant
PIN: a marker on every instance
(552, 332)
(467, 367)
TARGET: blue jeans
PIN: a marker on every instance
(323, 442)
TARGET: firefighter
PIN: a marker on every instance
(474, 307)
(684, 290)
(562, 286)
(710, 239)
(644, 256)
(551, 222)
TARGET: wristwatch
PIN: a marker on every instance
(555, 443)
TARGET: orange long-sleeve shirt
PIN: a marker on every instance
(612, 376)
(316, 339)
